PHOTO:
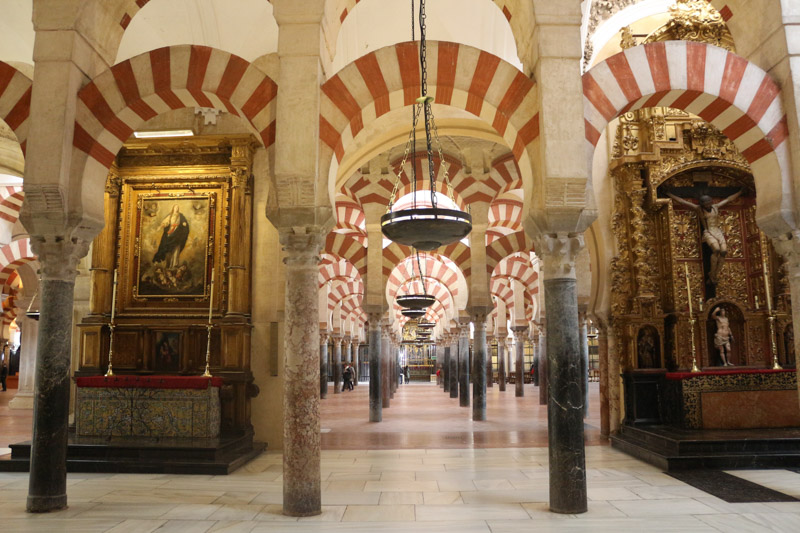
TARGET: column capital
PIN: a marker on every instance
(520, 332)
(324, 337)
(336, 339)
(59, 255)
(302, 248)
(788, 246)
(558, 252)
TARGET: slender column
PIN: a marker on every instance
(27, 360)
(337, 364)
(386, 388)
(454, 357)
(489, 366)
(301, 423)
(543, 381)
(241, 209)
(602, 348)
(323, 365)
(501, 362)
(479, 352)
(565, 405)
(614, 408)
(789, 247)
(393, 362)
(446, 370)
(354, 347)
(375, 403)
(463, 365)
(520, 334)
(584, 345)
(47, 487)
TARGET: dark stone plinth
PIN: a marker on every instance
(323, 369)
(375, 401)
(565, 407)
(454, 370)
(479, 379)
(463, 370)
(47, 488)
(446, 369)
(337, 366)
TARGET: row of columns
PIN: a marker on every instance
(349, 355)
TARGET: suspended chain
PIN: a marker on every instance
(421, 276)
(411, 139)
(423, 61)
(450, 190)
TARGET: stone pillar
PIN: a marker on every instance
(393, 362)
(565, 405)
(375, 403)
(446, 370)
(301, 423)
(241, 209)
(614, 407)
(323, 365)
(356, 361)
(58, 259)
(337, 364)
(501, 363)
(602, 348)
(463, 365)
(520, 334)
(480, 354)
(27, 360)
(386, 357)
(489, 366)
(454, 357)
(543, 381)
(584, 345)
(789, 247)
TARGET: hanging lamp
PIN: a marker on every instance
(417, 301)
(424, 228)
(413, 313)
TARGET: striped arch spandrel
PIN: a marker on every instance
(735, 96)
(15, 101)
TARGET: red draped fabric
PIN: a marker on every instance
(689, 375)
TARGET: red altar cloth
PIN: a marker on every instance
(150, 382)
(689, 375)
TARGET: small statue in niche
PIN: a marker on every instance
(647, 349)
(713, 236)
(723, 337)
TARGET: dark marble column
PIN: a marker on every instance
(454, 366)
(501, 362)
(463, 365)
(565, 403)
(47, 488)
(480, 354)
(602, 348)
(584, 345)
(302, 495)
(356, 362)
(614, 392)
(520, 334)
(323, 365)
(543, 390)
(337, 364)
(489, 367)
(393, 362)
(375, 382)
(446, 370)
(386, 358)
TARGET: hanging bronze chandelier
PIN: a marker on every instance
(413, 313)
(417, 301)
(424, 227)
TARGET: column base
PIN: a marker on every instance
(46, 504)
(23, 400)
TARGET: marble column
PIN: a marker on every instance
(565, 404)
(584, 345)
(454, 357)
(489, 366)
(602, 348)
(393, 362)
(323, 365)
(614, 407)
(47, 487)
(301, 422)
(501, 363)
(446, 370)
(463, 365)
(480, 355)
(375, 385)
(27, 360)
(542, 370)
(337, 364)
(356, 361)
(386, 387)
(520, 334)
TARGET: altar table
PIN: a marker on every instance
(148, 406)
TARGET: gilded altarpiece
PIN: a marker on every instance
(658, 241)
(177, 213)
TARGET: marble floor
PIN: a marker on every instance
(459, 489)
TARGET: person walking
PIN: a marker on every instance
(347, 376)
(3, 372)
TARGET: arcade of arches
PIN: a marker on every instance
(582, 137)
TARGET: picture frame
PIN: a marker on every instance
(167, 350)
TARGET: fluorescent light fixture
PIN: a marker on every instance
(161, 134)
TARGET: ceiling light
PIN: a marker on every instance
(162, 134)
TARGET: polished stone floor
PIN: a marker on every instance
(441, 488)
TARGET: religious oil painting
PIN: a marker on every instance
(172, 251)
(167, 351)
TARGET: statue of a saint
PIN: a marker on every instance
(723, 336)
(708, 214)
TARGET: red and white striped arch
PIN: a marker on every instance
(459, 76)
(501, 289)
(722, 88)
(505, 217)
(12, 256)
(438, 290)
(15, 101)
(432, 267)
(518, 267)
(11, 198)
(505, 175)
(341, 290)
(346, 247)
(350, 219)
(505, 246)
(123, 98)
(335, 268)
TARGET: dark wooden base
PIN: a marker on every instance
(138, 455)
(672, 448)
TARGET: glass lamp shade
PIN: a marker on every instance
(426, 228)
(415, 301)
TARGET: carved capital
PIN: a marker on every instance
(323, 338)
(520, 333)
(113, 182)
(302, 249)
(58, 256)
(788, 246)
(558, 253)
